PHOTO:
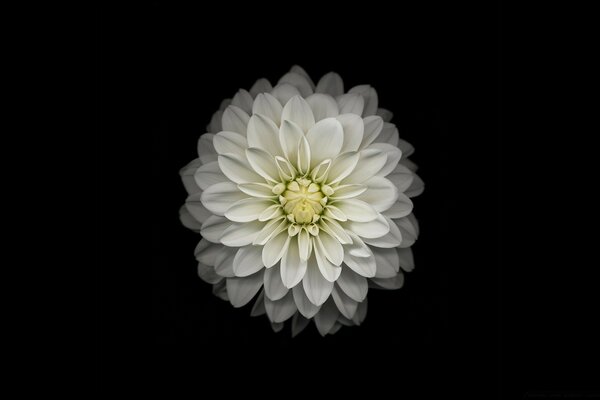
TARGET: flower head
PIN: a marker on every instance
(302, 196)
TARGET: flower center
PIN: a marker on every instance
(303, 201)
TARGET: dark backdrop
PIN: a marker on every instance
(437, 67)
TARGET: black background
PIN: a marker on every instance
(471, 321)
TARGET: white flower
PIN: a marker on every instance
(302, 196)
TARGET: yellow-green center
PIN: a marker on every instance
(303, 201)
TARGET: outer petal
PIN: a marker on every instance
(402, 177)
(387, 261)
(213, 228)
(326, 317)
(187, 176)
(188, 221)
(389, 134)
(298, 324)
(206, 150)
(235, 120)
(219, 197)
(264, 134)
(238, 235)
(373, 127)
(208, 274)
(351, 103)
(300, 71)
(354, 128)
(263, 164)
(268, 106)
(408, 231)
(325, 140)
(275, 248)
(401, 208)
(317, 288)
(243, 100)
(342, 166)
(284, 92)
(206, 252)
(247, 261)
(306, 308)
(297, 110)
(387, 115)
(224, 262)
(416, 188)
(370, 162)
(370, 96)
(392, 239)
(230, 142)
(260, 86)
(407, 262)
(195, 208)
(259, 305)
(208, 175)
(274, 287)
(345, 304)
(357, 210)
(329, 271)
(393, 157)
(381, 193)
(323, 106)
(299, 81)
(237, 169)
(353, 284)
(393, 283)
(241, 290)
(331, 83)
(360, 258)
(280, 310)
(372, 229)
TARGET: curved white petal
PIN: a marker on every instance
(299, 81)
(392, 239)
(348, 191)
(354, 129)
(373, 127)
(206, 149)
(402, 177)
(208, 274)
(326, 317)
(274, 287)
(195, 208)
(401, 208)
(407, 148)
(236, 169)
(323, 106)
(416, 188)
(219, 197)
(357, 210)
(264, 134)
(273, 210)
(407, 230)
(263, 164)
(407, 262)
(359, 257)
(325, 139)
(289, 137)
(209, 174)
(344, 303)
(361, 313)
(188, 221)
(275, 248)
(292, 267)
(241, 234)
(267, 105)
(224, 262)
(230, 142)
(342, 166)
(260, 86)
(370, 96)
(241, 290)
(386, 114)
(334, 213)
(354, 285)
(332, 248)
(213, 228)
(370, 162)
(280, 310)
(246, 210)
(409, 164)
(331, 83)
(371, 229)
(270, 229)
(220, 290)
(299, 70)
(304, 305)
(187, 176)
(333, 228)
(393, 283)
(299, 323)
(303, 157)
(387, 262)
(247, 261)
(304, 244)
(259, 305)
(298, 111)
(235, 120)
(329, 271)
(393, 157)
(206, 252)
(351, 103)
(215, 122)
(243, 100)
(316, 287)
(284, 92)
(381, 193)
(262, 190)
(389, 134)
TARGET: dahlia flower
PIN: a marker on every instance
(302, 196)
